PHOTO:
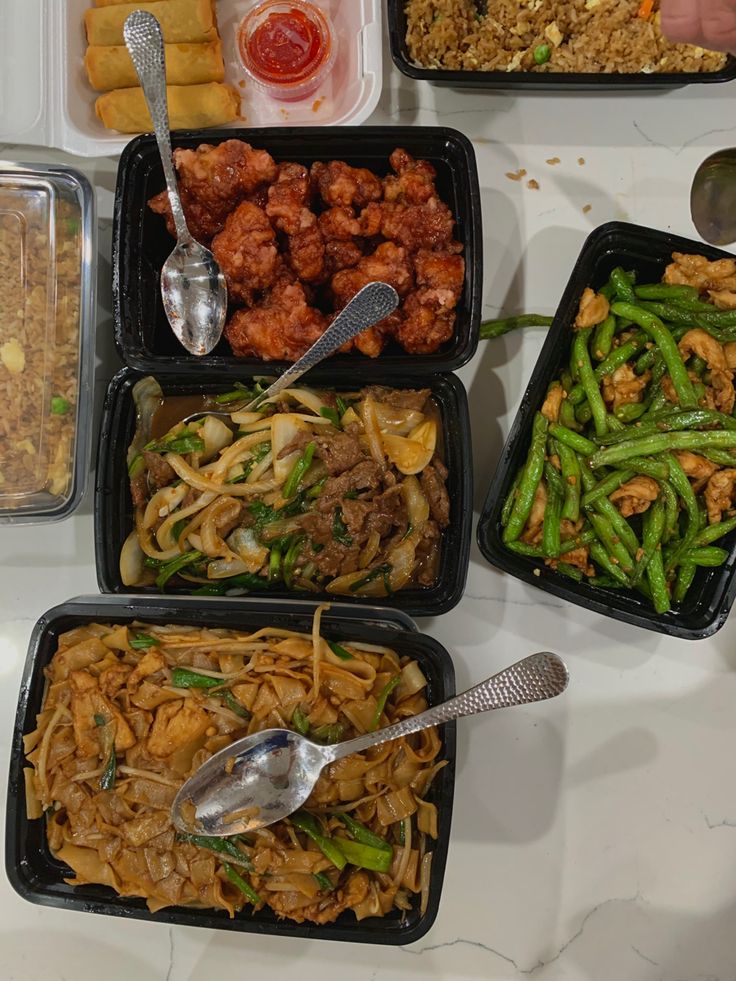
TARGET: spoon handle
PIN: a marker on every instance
(145, 44)
(370, 305)
(534, 679)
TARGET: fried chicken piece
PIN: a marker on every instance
(440, 270)
(388, 264)
(415, 181)
(419, 226)
(429, 312)
(729, 350)
(213, 180)
(720, 392)
(288, 199)
(339, 224)
(340, 184)
(551, 407)
(306, 254)
(372, 341)
(723, 299)
(341, 255)
(593, 309)
(370, 220)
(719, 493)
(246, 251)
(532, 533)
(624, 386)
(284, 326)
(696, 270)
(697, 468)
(635, 496)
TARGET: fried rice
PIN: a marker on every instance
(581, 36)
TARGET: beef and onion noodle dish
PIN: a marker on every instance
(315, 490)
(130, 712)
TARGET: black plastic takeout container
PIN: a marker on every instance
(38, 877)
(538, 81)
(708, 602)
(141, 242)
(114, 510)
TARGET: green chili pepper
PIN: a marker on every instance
(245, 887)
(140, 642)
(298, 471)
(339, 651)
(308, 824)
(382, 699)
(184, 678)
(300, 722)
(340, 529)
(529, 482)
(59, 405)
(491, 329)
(170, 568)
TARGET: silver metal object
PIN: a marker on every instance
(269, 775)
(713, 198)
(369, 306)
(193, 287)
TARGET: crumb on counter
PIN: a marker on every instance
(587, 208)
(537, 572)
(581, 161)
(533, 185)
(516, 175)
(553, 161)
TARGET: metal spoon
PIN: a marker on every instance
(713, 198)
(192, 286)
(369, 306)
(270, 774)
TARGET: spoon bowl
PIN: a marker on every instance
(713, 198)
(193, 287)
(268, 775)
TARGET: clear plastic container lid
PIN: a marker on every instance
(46, 342)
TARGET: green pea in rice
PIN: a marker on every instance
(583, 36)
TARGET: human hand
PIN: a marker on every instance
(708, 23)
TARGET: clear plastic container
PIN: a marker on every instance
(44, 43)
(47, 288)
(262, 32)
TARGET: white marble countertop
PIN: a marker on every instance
(594, 838)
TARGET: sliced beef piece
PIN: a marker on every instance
(404, 399)
(340, 452)
(161, 473)
(428, 554)
(364, 477)
(299, 443)
(139, 490)
(433, 485)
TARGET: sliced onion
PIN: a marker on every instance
(243, 542)
(392, 419)
(216, 435)
(412, 681)
(236, 452)
(195, 479)
(287, 427)
(162, 503)
(223, 510)
(417, 504)
(370, 550)
(164, 535)
(131, 561)
(305, 396)
(424, 878)
(370, 423)
(222, 568)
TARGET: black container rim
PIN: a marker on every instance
(461, 348)
(427, 602)
(599, 243)
(545, 81)
(378, 622)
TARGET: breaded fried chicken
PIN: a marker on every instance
(213, 180)
(414, 182)
(283, 326)
(340, 184)
(246, 251)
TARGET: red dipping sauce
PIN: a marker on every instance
(287, 46)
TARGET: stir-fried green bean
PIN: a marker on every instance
(529, 481)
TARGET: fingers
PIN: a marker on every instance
(708, 23)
